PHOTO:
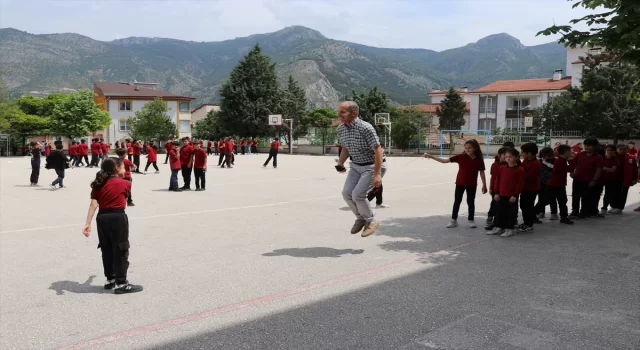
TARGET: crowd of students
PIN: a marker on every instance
(521, 177)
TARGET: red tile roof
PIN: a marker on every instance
(526, 85)
(430, 108)
(125, 90)
(443, 92)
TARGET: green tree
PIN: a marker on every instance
(250, 95)
(3, 88)
(78, 115)
(208, 128)
(407, 124)
(616, 28)
(152, 122)
(322, 120)
(370, 102)
(451, 112)
(294, 106)
(559, 113)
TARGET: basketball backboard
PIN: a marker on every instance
(275, 119)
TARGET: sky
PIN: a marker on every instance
(428, 24)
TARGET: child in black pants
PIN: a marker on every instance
(199, 166)
(557, 184)
(492, 215)
(610, 173)
(35, 163)
(546, 170)
(531, 167)
(109, 192)
(586, 175)
(509, 184)
(59, 162)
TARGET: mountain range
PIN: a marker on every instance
(327, 69)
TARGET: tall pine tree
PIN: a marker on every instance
(451, 112)
(250, 95)
(294, 106)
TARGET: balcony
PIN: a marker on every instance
(515, 112)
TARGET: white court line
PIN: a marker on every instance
(223, 209)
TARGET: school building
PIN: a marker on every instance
(123, 99)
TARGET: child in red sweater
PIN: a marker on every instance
(627, 177)
(493, 208)
(586, 175)
(557, 184)
(509, 184)
(471, 163)
(532, 169)
(609, 178)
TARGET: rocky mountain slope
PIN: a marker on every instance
(328, 69)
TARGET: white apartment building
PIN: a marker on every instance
(202, 111)
(123, 99)
(505, 104)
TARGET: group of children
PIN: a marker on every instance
(219, 147)
(519, 177)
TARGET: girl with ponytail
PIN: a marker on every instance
(109, 192)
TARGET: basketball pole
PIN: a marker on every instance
(290, 135)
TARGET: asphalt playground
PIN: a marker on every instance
(263, 259)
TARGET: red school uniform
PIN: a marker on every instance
(174, 160)
(275, 145)
(127, 168)
(493, 171)
(168, 146)
(105, 148)
(630, 171)
(586, 166)
(129, 148)
(609, 176)
(96, 148)
(152, 154)
(47, 150)
(73, 150)
(113, 194)
(531, 175)
(136, 148)
(229, 147)
(185, 154)
(83, 149)
(199, 157)
(215, 144)
(208, 144)
(243, 142)
(510, 181)
(468, 169)
(559, 174)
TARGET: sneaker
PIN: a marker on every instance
(603, 212)
(358, 226)
(573, 215)
(553, 217)
(525, 229)
(382, 206)
(619, 211)
(537, 221)
(130, 204)
(611, 211)
(197, 189)
(508, 233)
(370, 228)
(489, 227)
(580, 217)
(540, 216)
(109, 284)
(495, 231)
(53, 187)
(452, 224)
(489, 221)
(472, 224)
(126, 288)
(157, 172)
(566, 221)
(636, 209)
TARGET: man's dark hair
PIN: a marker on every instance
(590, 142)
(513, 151)
(562, 149)
(529, 147)
(277, 139)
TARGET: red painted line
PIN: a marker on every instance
(112, 337)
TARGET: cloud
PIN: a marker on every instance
(432, 24)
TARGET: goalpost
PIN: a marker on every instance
(466, 135)
(383, 119)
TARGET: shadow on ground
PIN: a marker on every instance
(314, 252)
(75, 287)
(558, 289)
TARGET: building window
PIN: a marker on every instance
(514, 124)
(488, 104)
(185, 107)
(124, 125)
(486, 124)
(124, 105)
(520, 103)
(185, 126)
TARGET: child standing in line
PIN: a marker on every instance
(509, 183)
(627, 176)
(493, 207)
(136, 154)
(83, 152)
(168, 147)
(254, 146)
(108, 194)
(59, 162)
(531, 167)
(609, 176)
(128, 165)
(200, 166)
(152, 157)
(470, 163)
(186, 162)
(547, 159)
(35, 163)
(557, 184)
(174, 165)
(586, 174)
(209, 144)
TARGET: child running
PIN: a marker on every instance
(470, 163)
(108, 194)
(59, 162)
(510, 181)
(128, 166)
(152, 157)
(557, 184)
(200, 166)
